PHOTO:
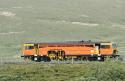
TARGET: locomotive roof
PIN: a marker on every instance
(71, 42)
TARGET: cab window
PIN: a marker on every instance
(29, 47)
(105, 46)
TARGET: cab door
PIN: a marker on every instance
(97, 48)
(36, 49)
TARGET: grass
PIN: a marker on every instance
(52, 20)
(93, 71)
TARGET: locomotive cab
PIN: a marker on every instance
(28, 49)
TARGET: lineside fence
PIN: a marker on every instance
(19, 60)
(10, 60)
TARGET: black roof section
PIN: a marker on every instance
(70, 42)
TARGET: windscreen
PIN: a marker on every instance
(29, 46)
(105, 45)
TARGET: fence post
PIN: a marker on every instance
(72, 60)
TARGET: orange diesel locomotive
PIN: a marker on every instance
(79, 50)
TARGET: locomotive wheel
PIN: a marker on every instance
(52, 56)
(56, 54)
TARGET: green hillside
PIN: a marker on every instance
(105, 71)
(60, 20)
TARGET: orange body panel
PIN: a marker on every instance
(106, 51)
(29, 52)
(68, 50)
(78, 49)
